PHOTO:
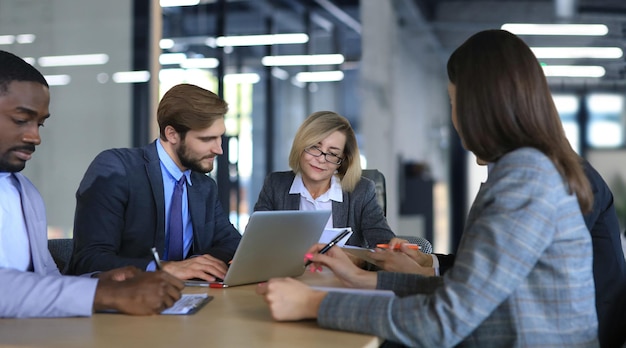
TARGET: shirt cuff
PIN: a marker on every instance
(151, 267)
(435, 263)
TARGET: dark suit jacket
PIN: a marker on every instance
(359, 210)
(120, 213)
(609, 267)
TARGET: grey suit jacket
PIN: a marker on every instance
(120, 213)
(42, 292)
(359, 210)
(522, 276)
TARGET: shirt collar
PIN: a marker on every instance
(335, 192)
(169, 165)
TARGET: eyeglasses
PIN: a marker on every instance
(329, 157)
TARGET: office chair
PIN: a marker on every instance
(381, 195)
(61, 251)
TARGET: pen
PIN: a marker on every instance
(217, 285)
(157, 259)
(397, 246)
(335, 240)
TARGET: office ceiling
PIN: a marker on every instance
(336, 27)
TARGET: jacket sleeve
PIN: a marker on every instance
(446, 261)
(100, 218)
(265, 202)
(225, 238)
(373, 223)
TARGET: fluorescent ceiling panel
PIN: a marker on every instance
(556, 29)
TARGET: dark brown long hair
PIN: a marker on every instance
(503, 103)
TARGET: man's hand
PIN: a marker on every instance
(118, 274)
(145, 293)
(204, 267)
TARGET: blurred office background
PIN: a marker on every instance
(380, 63)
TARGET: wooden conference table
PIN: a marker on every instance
(236, 317)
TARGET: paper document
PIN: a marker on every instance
(188, 304)
(331, 233)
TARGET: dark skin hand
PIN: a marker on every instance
(137, 293)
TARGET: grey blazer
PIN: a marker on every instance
(359, 209)
(42, 292)
(522, 275)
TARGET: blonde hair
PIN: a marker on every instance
(314, 129)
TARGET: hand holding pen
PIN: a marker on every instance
(335, 240)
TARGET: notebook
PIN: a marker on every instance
(273, 245)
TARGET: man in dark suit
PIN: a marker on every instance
(124, 205)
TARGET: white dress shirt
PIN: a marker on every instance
(323, 202)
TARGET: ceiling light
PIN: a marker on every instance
(74, 60)
(131, 76)
(556, 29)
(166, 44)
(200, 63)
(279, 73)
(578, 52)
(7, 39)
(172, 58)
(319, 76)
(57, 80)
(174, 3)
(258, 40)
(573, 70)
(25, 38)
(318, 59)
(250, 78)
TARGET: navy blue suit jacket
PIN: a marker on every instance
(120, 213)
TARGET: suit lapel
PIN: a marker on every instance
(340, 211)
(34, 221)
(196, 194)
(155, 177)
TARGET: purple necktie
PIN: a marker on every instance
(175, 246)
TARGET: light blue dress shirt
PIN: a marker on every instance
(14, 243)
(171, 174)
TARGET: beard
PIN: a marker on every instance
(6, 166)
(13, 167)
(191, 162)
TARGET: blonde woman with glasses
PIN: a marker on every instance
(326, 175)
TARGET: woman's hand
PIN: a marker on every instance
(342, 266)
(290, 299)
(399, 261)
(424, 260)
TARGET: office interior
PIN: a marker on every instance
(108, 62)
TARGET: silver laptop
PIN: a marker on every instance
(273, 245)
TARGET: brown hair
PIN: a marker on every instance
(503, 103)
(186, 107)
(314, 129)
